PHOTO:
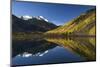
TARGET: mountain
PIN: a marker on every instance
(26, 17)
(41, 18)
(82, 25)
(31, 24)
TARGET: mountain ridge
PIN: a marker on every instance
(20, 25)
(81, 25)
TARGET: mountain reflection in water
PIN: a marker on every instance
(83, 46)
(53, 50)
(33, 47)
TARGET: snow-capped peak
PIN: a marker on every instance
(26, 17)
(41, 18)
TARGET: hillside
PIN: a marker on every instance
(31, 25)
(82, 25)
(30, 29)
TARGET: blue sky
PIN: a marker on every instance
(56, 13)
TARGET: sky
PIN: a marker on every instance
(56, 13)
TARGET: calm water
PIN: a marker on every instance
(53, 50)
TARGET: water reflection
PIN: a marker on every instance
(82, 46)
(26, 54)
(39, 47)
(53, 50)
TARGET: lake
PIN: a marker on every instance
(53, 50)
